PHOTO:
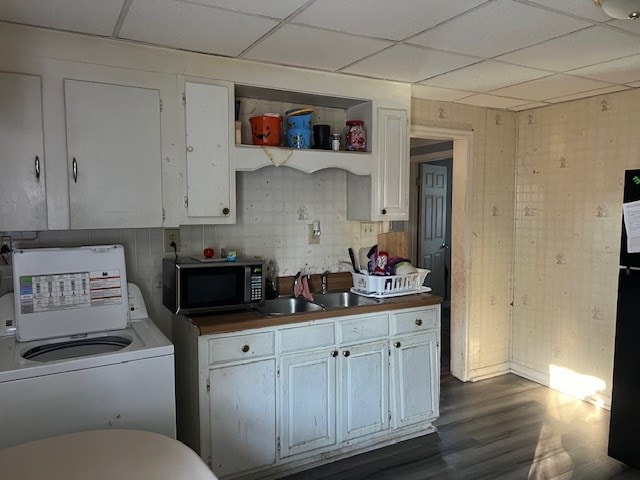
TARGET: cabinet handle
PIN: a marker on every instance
(225, 211)
(245, 348)
(37, 167)
(346, 353)
(397, 344)
(334, 353)
(384, 211)
(419, 322)
(74, 167)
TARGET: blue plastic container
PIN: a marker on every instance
(299, 137)
(301, 122)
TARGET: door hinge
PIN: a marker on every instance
(184, 98)
(389, 352)
(278, 372)
(164, 215)
(278, 443)
(161, 105)
(186, 202)
(389, 416)
(208, 385)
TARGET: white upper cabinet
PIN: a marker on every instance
(114, 155)
(22, 178)
(209, 190)
(391, 178)
(385, 195)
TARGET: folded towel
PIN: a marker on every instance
(306, 293)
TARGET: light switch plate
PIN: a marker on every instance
(366, 229)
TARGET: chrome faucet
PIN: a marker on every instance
(295, 283)
(324, 283)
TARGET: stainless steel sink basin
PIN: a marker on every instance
(333, 300)
(288, 306)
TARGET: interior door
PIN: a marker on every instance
(433, 226)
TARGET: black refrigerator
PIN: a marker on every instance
(624, 429)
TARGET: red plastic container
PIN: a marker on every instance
(265, 129)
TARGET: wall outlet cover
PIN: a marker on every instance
(171, 235)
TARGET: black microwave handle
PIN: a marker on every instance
(247, 284)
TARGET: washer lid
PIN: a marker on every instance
(69, 291)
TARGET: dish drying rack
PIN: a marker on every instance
(377, 286)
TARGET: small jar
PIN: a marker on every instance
(335, 141)
(355, 136)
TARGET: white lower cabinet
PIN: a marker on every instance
(277, 399)
(415, 373)
(242, 407)
(364, 398)
(308, 420)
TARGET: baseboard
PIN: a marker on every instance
(544, 379)
(489, 372)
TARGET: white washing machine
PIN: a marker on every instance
(77, 349)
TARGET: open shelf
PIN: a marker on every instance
(253, 157)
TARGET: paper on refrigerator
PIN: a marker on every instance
(631, 212)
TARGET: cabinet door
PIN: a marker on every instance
(22, 181)
(364, 375)
(210, 176)
(114, 155)
(308, 419)
(242, 406)
(391, 198)
(415, 378)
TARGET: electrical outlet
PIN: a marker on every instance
(366, 229)
(5, 244)
(313, 240)
(171, 235)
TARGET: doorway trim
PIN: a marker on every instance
(461, 236)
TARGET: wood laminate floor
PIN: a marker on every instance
(502, 428)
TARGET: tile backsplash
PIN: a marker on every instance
(275, 207)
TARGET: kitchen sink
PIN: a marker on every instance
(333, 300)
(288, 306)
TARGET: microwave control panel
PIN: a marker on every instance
(256, 283)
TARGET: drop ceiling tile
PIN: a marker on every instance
(632, 26)
(581, 8)
(272, 8)
(578, 49)
(550, 87)
(98, 18)
(485, 76)
(490, 101)
(592, 93)
(436, 93)
(382, 18)
(407, 63)
(313, 48)
(471, 33)
(192, 27)
(623, 70)
(529, 106)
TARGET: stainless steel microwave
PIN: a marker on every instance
(193, 286)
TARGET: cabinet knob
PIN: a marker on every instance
(334, 353)
(246, 348)
(225, 211)
(346, 353)
(418, 322)
(384, 211)
(189, 149)
(397, 344)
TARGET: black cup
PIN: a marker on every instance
(321, 138)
